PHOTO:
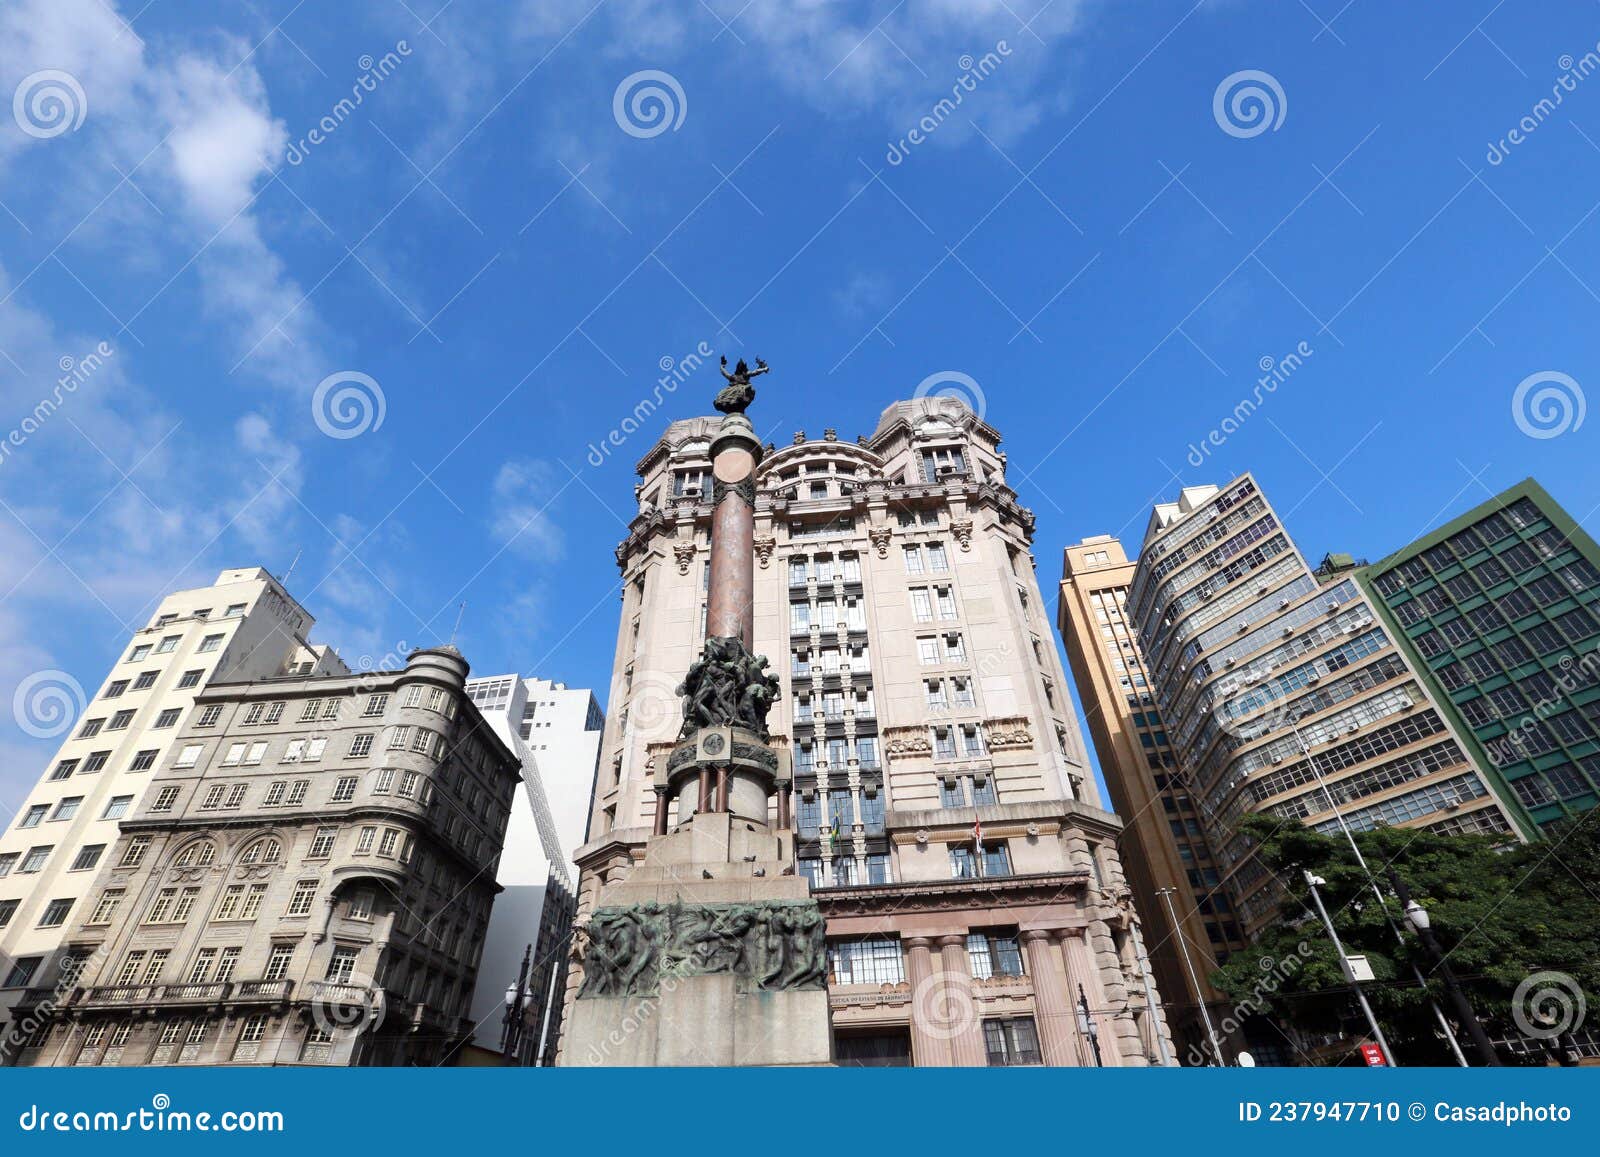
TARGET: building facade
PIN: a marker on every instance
(1166, 856)
(555, 733)
(944, 816)
(1498, 610)
(1283, 693)
(308, 880)
(243, 627)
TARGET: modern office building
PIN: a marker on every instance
(1282, 692)
(945, 818)
(307, 881)
(1189, 925)
(1497, 609)
(243, 627)
(555, 733)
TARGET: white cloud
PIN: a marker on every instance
(520, 509)
(193, 128)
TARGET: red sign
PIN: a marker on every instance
(1373, 1055)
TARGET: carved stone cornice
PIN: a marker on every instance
(1009, 734)
(907, 741)
(1043, 890)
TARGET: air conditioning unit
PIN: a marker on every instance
(1351, 628)
(1313, 679)
(1231, 661)
(1333, 608)
(1251, 676)
(1263, 588)
(1243, 627)
(1287, 631)
(1406, 704)
(1283, 604)
(1277, 759)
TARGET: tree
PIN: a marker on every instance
(1500, 914)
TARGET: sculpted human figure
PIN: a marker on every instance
(736, 396)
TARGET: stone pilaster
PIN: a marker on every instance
(930, 1048)
(962, 1023)
(1052, 999)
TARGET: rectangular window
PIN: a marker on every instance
(55, 913)
(236, 795)
(364, 840)
(133, 855)
(115, 689)
(345, 789)
(252, 902)
(34, 816)
(278, 962)
(386, 845)
(145, 681)
(1011, 1041)
(375, 706)
(144, 759)
(188, 679)
(88, 858)
(95, 762)
(163, 803)
(189, 755)
(322, 844)
(209, 643)
(300, 902)
(36, 859)
(993, 954)
(360, 745)
(213, 797)
(67, 808)
(107, 906)
(168, 718)
(168, 644)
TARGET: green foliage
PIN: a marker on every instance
(1499, 916)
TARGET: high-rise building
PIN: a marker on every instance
(1282, 693)
(308, 880)
(944, 815)
(1189, 925)
(555, 733)
(243, 627)
(1498, 610)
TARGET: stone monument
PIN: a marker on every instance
(711, 950)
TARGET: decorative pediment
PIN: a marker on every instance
(1008, 734)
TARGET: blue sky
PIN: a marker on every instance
(508, 259)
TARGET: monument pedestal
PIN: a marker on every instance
(707, 954)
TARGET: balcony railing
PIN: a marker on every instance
(119, 995)
(334, 992)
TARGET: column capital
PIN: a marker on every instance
(921, 942)
(953, 940)
(1031, 935)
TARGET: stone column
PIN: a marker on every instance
(661, 811)
(966, 1034)
(929, 1046)
(1081, 969)
(1052, 998)
(730, 602)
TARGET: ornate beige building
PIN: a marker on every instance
(944, 816)
(307, 880)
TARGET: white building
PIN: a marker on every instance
(555, 731)
(243, 627)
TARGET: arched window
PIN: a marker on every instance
(264, 851)
(196, 855)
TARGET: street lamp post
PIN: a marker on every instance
(516, 996)
(1417, 917)
(1194, 980)
(1327, 794)
(1088, 1028)
(1344, 966)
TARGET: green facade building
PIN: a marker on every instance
(1498, 609)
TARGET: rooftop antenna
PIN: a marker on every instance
(285, 580)
(457, 628)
